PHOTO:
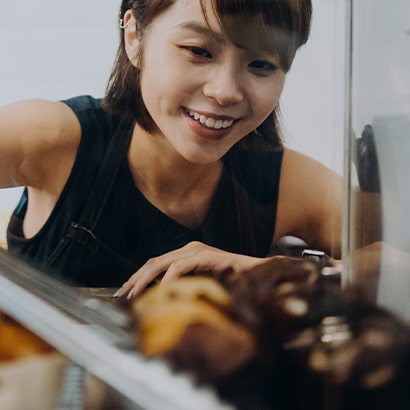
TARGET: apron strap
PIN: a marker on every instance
(102, 186)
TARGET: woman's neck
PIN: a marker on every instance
(179, 188)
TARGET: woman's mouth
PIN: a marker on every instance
(209, 122)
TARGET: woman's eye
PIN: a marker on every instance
(261, 65)
(199, 51)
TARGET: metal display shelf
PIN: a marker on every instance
(98, 337)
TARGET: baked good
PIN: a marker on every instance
(190, 323)
(280, 338)
(17, 342)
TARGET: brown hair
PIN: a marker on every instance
(281, 26)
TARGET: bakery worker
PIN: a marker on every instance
(180, 168)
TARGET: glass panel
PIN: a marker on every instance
(379, 148)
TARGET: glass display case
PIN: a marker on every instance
(97, 339)
(94, 333)
(377, 234)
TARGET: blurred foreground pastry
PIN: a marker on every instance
(279, 338)
(191, 323)
(17, 342)
(31, 371)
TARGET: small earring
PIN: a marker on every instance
(122, 25)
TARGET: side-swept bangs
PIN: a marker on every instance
(277, 27)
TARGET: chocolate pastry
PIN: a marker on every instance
(279, 337)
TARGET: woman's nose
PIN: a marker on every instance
(224, 85)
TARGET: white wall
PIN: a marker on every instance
(55, 49)
(313, 99)
(381, 60)
(52, 49)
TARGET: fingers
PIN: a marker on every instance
(166, 267)
(153, 270)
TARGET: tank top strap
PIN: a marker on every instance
(106, 175)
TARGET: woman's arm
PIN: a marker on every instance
(310, 203)
(38, 142)
(38, 145)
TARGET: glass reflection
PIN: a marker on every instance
(379, 145)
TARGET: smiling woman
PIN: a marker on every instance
(258, 28)
(180, 167)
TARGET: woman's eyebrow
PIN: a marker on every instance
(203, 30)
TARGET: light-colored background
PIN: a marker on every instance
(381, 97)
(57, 49)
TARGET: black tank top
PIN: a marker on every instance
(103, 229)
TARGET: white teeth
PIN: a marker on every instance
(210, 122)
(218, 124)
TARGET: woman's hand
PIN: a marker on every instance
(195, 257)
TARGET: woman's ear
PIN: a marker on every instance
(131, 37)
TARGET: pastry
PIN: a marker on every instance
(17, 342)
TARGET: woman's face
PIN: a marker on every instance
(203, 92)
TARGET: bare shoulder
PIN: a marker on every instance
(294, 162)
(38, 139)
(310, 200)
(305, 173)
